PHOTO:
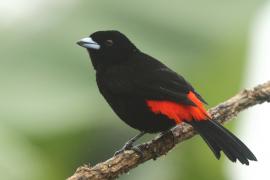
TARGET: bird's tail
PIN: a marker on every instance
(220, 139)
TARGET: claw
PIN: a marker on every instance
(129, 146)
(118, 152)
(138, 151)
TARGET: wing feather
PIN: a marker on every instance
(151, 80)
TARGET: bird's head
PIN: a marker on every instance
(107, 48)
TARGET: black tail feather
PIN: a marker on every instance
(220, 139)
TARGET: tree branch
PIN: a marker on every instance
(159, 146)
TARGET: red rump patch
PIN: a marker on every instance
(180, 112)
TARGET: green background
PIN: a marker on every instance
(52, 117)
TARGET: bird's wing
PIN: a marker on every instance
(151, 84)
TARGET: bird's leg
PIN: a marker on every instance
(130, 142)
(129, 145)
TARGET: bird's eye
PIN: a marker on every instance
(109, 42)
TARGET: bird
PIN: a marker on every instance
(152, 98)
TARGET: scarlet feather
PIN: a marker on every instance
(180, 112)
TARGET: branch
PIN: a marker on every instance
(122, 163)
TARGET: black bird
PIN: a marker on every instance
(152, 98)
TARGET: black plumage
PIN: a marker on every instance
(129, 78)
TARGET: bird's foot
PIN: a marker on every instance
(129, 146)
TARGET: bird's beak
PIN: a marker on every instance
(88, 43)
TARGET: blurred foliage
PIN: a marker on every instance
(52, 117)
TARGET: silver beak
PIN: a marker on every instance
(88, 43)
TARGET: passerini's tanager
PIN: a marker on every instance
(152, 98)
